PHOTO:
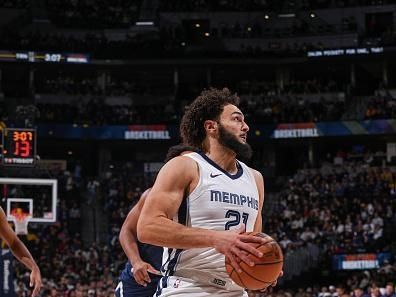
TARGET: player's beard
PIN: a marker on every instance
(242, 150)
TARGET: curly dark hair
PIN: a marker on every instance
(207, 106)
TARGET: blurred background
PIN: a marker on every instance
(92, 92)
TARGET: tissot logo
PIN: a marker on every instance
(214, 175)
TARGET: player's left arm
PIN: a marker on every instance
(129, 243)
(258, 225)
(21, 252)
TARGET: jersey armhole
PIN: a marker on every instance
(194, 193)
(253, 176)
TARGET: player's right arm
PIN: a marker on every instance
(20, 252)
(175, 180)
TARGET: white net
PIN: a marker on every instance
(21, 223)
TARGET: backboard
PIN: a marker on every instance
(38, 197)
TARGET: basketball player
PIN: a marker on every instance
(198, 198)
(20, 252)
(141, 274)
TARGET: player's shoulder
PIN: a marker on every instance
(257, 175)
(180, 164)
(256, 172)
(182, 160)
(145, 194)
(179, 171)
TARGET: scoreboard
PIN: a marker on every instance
(44, 57)
(19, 147)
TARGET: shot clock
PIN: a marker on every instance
(19, 146)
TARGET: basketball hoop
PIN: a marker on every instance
(21, 221)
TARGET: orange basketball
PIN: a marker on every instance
(266, 269)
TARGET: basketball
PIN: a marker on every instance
(266, 269)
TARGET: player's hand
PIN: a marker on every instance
(276, 281)
(35, 281)
(235, 245)
(271, 285)
(140, 272)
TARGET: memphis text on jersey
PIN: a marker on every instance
(231, 198)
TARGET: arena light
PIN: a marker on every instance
(287, 15)
(197, 25)
(249, 29)
(207, 34)
(147, 23)
(266, 17)
(312, 15)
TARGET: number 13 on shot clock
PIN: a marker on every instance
(19, 146)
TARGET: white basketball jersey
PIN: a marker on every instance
(220, 201)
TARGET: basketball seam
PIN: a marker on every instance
(265, 243)
(240, 279)
(268, 263)
(257, 279)
(262, 264)
(258, 264)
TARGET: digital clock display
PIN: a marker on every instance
(44, 57)
(19, 147)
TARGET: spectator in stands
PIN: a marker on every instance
(359, 292)
(389, 290)
(264, 102)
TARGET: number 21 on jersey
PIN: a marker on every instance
(236, 216)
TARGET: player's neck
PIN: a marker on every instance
(223, 157)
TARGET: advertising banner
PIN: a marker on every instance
(6, 274)
(360, 261)
(257, 131)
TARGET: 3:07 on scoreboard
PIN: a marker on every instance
(19, 146)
